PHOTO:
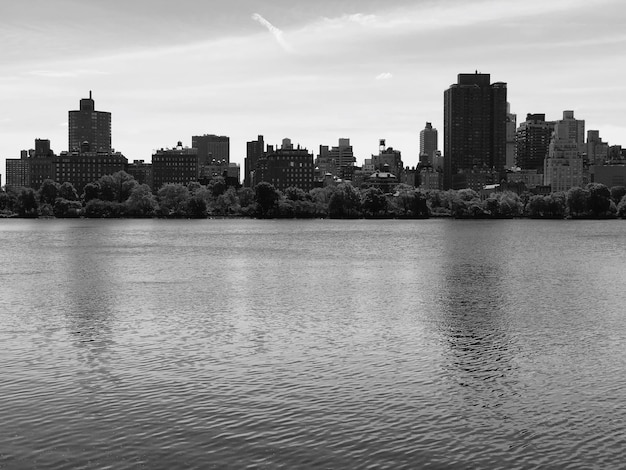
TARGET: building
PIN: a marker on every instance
(175, 165)
(17, 172)
(563, 169)
(388, 160)
(83, 167)
(530, 178)
(211, 148)
(338, 161)
(141, 171)
(428, 144)
(532, 141)
(89, 126)
(511, 125)
(574, 130)
(430, 179)
(255, 150)
(609, 175)
(597, 150)
(475, 126)
(286, 167)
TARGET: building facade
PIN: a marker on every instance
(211, 148)
(83, 167)
(429, 142)
(563, 169)
(337, 161)
(475, 125)
(255, 150)
(388, 160)
(286, 167)
(89, 126)
(532, 142)
(176, 165)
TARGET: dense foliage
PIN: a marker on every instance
(120, 195)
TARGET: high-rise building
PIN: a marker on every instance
(597, 150)
(573, 129)
(563, 169)
(475, 121)
(286, 167)
(176, 165)
(428, 144)
(212, 149)
(255, 149)
(336, 160)
(388, 160)
(17, 172)
(42, 163)
(511, 124)
(89, 128)
(532, 141)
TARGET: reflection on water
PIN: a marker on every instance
(311, 344)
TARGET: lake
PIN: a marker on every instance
(312, 344)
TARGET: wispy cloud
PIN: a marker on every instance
(65, 73)
(384, 76)
(277, 33)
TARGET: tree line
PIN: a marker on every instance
(119, 195)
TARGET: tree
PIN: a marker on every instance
(617, 193)
(141, 202)
(621, 208)
(373, 202)
(598, 200)
(577, 202)
(68, 192)
(197, 208)
(27, 204)
(228, 202)
(173, 199)
(295, 194)
(266, 196)
(345, 202)
(48, 191)
(91, 191)
(67, 208)
(116, 187)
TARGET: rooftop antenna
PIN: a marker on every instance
(89, 94)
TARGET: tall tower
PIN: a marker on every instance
(428, 144)
(88, 126)
(211, 147)
(532, 141)
(255, 149)
(475, 121)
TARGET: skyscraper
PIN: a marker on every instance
(211, 147)
(428, 144)
(532, 141)
(475, 120)
(89, 126)
(255, 149)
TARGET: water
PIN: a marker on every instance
(312, 344)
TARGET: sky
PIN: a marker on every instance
(310, 71)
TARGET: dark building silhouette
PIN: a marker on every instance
(532, 141)
(285, 167)
(428, 144)
(83, 167)
(42, 163)
(211, 148)
(255, 150)
(89, 130)
(141, 171)
(475, 119)
(176, 165)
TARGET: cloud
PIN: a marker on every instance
(384, 76)
(64, 74)
(277, 33)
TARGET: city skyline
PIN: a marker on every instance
(313, 73)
